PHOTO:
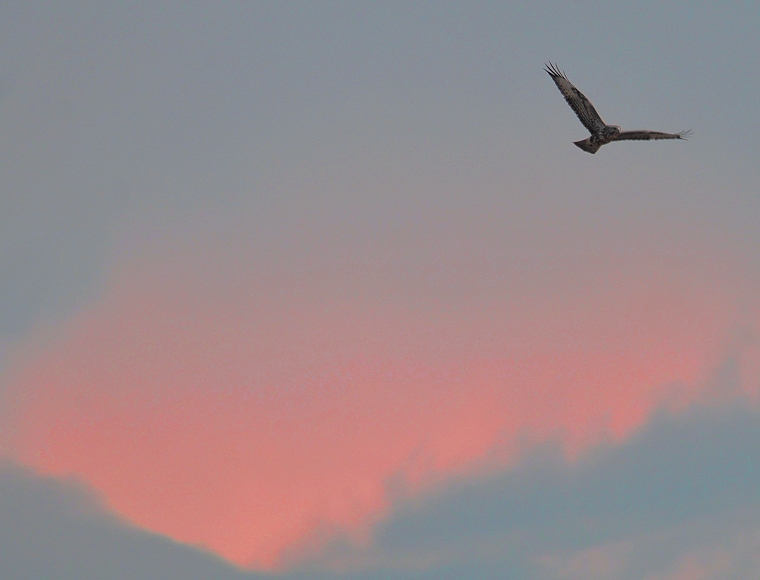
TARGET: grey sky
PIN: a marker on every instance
(118, 116)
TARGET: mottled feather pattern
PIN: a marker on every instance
(577, 100)
(601, 133)
(644, 135)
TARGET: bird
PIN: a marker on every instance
(601, 133)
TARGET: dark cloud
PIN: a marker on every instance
(686, 483)
(677, 467)
(724, 546)
(51, 529)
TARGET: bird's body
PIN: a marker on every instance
(601, 133)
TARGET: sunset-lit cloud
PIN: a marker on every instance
(246, 406)
(679, 497)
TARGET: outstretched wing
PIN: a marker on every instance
(644, 135)
(577, 100)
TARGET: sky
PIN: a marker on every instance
(324, 290)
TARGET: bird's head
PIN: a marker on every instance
(612, 131)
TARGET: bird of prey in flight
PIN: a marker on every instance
(601, 133)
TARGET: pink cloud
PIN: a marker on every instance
(243, 407)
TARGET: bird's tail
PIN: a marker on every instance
(587, 145)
